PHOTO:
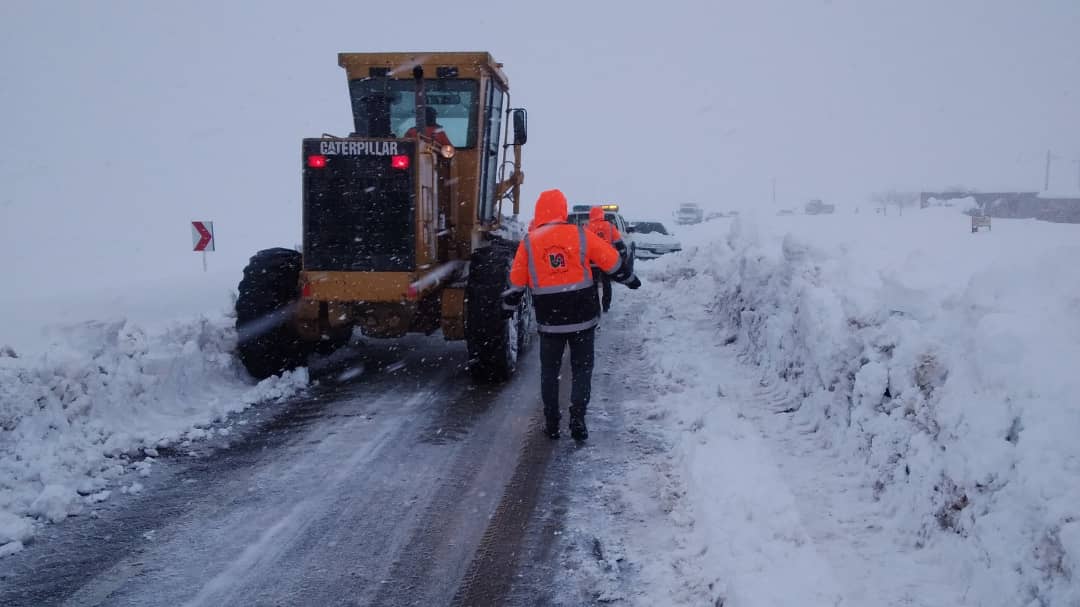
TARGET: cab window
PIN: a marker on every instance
(383, 104)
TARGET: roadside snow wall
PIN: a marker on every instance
(100, 402)
(963, 403)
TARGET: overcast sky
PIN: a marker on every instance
(123, 121)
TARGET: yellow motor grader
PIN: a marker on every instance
(402, 220)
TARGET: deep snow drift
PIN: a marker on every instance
(85, 406)
(897, 400)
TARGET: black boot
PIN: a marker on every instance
(578, 430)
(551, 428)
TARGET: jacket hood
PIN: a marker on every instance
(550, 207)
(596, 214)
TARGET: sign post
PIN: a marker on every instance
(202, 238)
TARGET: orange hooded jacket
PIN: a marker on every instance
(554, 261)
(434, 132)
(602, 227)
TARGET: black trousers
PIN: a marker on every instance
(602, 281)
(552, 346)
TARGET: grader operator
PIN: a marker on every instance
(401, 220)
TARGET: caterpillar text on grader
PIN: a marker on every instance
(401, 220)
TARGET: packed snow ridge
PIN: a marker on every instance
(81, 420)
(941, 365)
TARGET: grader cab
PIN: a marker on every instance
(401, 220)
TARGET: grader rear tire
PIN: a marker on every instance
(266, 342)
(493, 342)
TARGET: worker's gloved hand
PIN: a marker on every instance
(511, 299)
(634, 282)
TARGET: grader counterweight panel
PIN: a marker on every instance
(400, 219)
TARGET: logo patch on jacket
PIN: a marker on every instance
(556, 258)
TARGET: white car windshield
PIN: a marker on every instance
(650, 227)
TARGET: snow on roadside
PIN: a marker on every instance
(928, 370)
(711, 520)
(98, 404)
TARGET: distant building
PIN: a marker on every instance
(1060, 210)
(1015, 205)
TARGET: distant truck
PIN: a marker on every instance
(817, 207)
(689, 213)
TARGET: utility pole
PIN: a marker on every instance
(1046, 185)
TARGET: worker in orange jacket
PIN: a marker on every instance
(554, 262)
(432, 128)
(610, 234)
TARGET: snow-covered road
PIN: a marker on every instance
(400, 484)
(374, 491)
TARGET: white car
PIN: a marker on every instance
(653, 239)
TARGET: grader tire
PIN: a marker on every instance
(493, 342)
(267, 344)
